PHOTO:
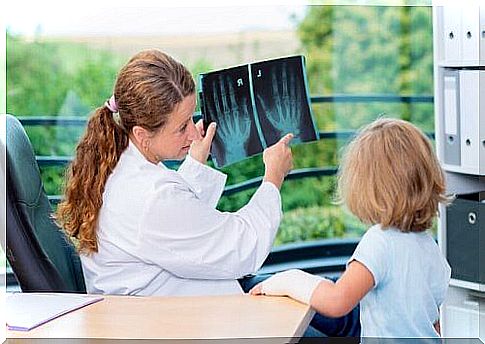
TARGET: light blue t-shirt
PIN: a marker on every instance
(411, 279)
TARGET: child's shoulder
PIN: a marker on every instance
(375, 235)
(378, 231)
(389, 232)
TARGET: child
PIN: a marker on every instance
(390, 179)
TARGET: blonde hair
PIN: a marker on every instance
(147, 90)
(390, 176)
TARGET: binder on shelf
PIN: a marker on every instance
(451, 121)
(452, 33)
(470, 34)
(470, 119)
(462, 117)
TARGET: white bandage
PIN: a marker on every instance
(294, 283)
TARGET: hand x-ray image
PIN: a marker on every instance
(254, 106)
(226, 100)
(281, 100)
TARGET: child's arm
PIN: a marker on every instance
(337, 299)
(328, 298)
(294, 283)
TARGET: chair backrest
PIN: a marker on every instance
(38, 251)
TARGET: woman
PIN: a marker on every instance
(143, 229)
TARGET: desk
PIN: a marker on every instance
(131, 317)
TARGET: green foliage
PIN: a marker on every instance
(313, 223)
(369, 50)
(24, 96)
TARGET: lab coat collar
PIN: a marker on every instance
(133, 152)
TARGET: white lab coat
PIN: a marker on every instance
(159, 232)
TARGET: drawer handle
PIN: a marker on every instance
(472, 218)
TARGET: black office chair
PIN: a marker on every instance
(41, 257)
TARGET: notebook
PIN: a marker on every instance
(26, 311)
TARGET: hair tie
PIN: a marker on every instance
(111, 104)
(113, 107)
(117, 119)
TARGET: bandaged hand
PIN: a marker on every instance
(294, 283)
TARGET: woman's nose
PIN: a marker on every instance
(194, 133)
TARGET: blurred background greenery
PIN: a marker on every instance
(350, 50)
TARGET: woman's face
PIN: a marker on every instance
(172, 141)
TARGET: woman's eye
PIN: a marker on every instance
(182, 128)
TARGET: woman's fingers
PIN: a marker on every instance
(200, 127)
(211, 131)
(199, 149)
(287, 139)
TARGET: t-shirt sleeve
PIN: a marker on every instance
(374, 253)
(445, 280)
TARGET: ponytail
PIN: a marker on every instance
(147, 90)
(97, 154)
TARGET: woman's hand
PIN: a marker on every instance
(199, 149)
(278, 161)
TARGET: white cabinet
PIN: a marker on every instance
(461, 314)
(459, 99)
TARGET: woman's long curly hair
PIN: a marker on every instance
(146, 92)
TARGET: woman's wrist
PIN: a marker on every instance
(274, 178)
(198, 156)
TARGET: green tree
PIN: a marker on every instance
(369, 50)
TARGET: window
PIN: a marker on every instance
(362, 62)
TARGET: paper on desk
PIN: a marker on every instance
(26, 311)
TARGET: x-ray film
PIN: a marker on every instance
(255, 105)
